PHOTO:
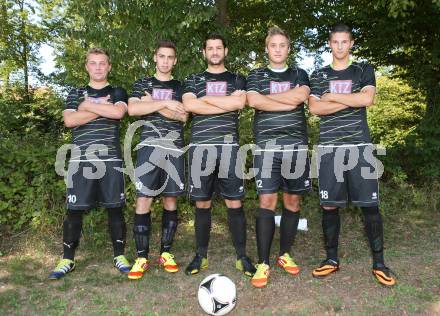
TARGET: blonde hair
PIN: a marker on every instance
(277, 31)
(97, 51)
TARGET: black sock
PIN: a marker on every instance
(117, 229)
(169, 227)
(374, 229)
(71, 233)
(202, 225)
(288, 229)
(141, 234)
(265, 227)
(237, 227)
(331, 225)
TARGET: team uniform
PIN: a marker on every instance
(214, 146)
(161, 143)
(94, 178)
(281, 161)
(98, 144)
(281, 134)
(344, 137)
(341, 134)
(220, 131)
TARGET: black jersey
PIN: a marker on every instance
(101, 131)
(283, 127)
(215, 128)
(348, 126)
(159, 90)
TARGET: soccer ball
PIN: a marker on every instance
(217, 294)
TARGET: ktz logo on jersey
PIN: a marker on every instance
(216, 88)
(162, 94)
(340, 86)
(279, 87)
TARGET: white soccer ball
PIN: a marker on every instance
(217, 294)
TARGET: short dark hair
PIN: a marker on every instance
(166, 44)
(340, 28)
(214, 36)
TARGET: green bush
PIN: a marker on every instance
(393, 122)
(31, 134)
(30, 190)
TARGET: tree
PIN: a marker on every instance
(404, 34)
(130, 29)
(20, 39)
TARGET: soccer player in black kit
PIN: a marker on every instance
(158, 100)
(277, 93)
(340, 94)
(93, 112)
(214, 98)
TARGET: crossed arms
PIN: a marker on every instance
(171, 109)
(285, 101)
(92, 108)
(214, 104)
(334, 102)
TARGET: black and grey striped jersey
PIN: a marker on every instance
(101, 131)
(348, 126)
(285, 128)
(215, 128)
(158, 125)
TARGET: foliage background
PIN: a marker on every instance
(400, 37)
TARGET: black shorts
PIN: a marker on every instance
(347, 174)
(93, 184)
(159, 171)
(215, 164)
(285, 170)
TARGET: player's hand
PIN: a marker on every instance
(175, 106)
(238, 93)
(105, 100)
(147, 97)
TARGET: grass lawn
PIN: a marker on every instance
(412, 236)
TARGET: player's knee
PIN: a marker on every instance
(72, 227)
(143, 205)
(329, 208)
(203, 204)
(115, 214)
(74, 216)
(292, 202)
(268, 201)
(233, 203)
(170, 203)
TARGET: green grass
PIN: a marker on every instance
(96, 288)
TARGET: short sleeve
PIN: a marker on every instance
(119, 95)
(240, 82)
(368, 78)
(72, 100)
(189, 85)
(315, 84)
(179, 91)
(303, 78)
(253, 82)
(138, 89)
